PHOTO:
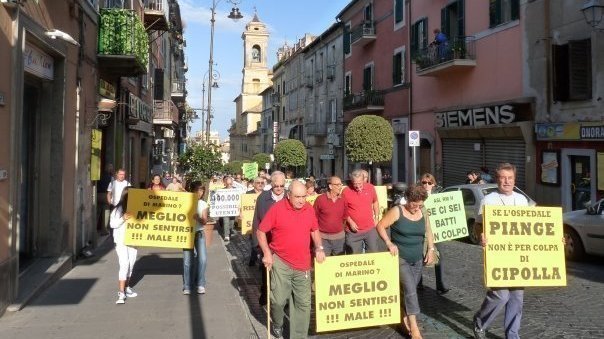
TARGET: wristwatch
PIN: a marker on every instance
(320, 248)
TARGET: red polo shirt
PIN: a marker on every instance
(330, 214)
(290, 232)
(359, 206)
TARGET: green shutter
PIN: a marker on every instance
(426, 37)
(579, 65)
(461, 18)
(346, 39)
(494, 13)
(414, 40)
(515, 9)
(398, 11)
(444, 21)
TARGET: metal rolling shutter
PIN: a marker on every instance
(507, 150)
(459, 157)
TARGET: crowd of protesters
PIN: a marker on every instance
(287, 232)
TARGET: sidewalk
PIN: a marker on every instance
(82, 303)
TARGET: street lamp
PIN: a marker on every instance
(593, 11)
(235, 15)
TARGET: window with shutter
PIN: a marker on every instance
(399, 11)
(503, 11)
(398, 64)
(346, 39)
(579, 55)
(368, 78)
(572, 79)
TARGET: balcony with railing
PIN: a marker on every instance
(165, 112)
(123, 44)
(363, 33)
(178, 90)
(365, 102)
(456, 54)
(156, 15)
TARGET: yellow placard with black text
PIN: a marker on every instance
(524, 246)
(359, 290)
(160, 218)
(248, 205)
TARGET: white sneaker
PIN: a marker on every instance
(201, 290)
(186, 292)
(130, 292)
(121, 298)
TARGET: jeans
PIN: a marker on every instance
(228, 223)
(498, 298)
(409, 275)
(198, 251)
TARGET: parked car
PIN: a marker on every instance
(472, 195)
(584, 231)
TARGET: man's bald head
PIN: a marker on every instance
(297, 194)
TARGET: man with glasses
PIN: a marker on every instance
(291, 223)
(258, 184)
(331, 215)
(362, 210)
(264, 202)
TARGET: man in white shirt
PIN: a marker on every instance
(510, 299)
(116, 186)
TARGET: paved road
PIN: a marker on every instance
(575, 311)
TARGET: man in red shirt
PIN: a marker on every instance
(291, 222)
(331, 214)
(362, 210)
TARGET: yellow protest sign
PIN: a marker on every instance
(357, 290)
(160, 218)
(524, 246)
(447, 216)
(312, 198)
(248, 205)
(95, 156)
(382, 195)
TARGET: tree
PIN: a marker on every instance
(200, 162)
(233, 167)
(261, 159)
(369, 139)
(290, 153)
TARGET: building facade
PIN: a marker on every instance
(376, 77)
(565, 72)
(76, 93)
(468, 98)
(324, 118)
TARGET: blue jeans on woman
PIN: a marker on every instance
(199, 252)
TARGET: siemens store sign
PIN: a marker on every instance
(478, 116)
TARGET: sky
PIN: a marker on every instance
(286, 20)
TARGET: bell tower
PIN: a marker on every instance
(255, 45)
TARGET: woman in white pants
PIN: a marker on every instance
(126, 255)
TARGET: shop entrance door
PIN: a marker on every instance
(578, 188)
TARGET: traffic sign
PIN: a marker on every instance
(413, 138)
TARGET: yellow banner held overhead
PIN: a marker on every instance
(359, 290)
(161, 219)
(248, 205)
(447, 216)
(524, 246)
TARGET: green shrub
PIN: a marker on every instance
(369, 138)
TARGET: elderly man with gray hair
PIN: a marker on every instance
(264, 202)
(362, 210)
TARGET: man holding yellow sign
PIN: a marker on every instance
(505, 289)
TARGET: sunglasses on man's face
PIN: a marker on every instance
(278, 186)
(427, 183)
